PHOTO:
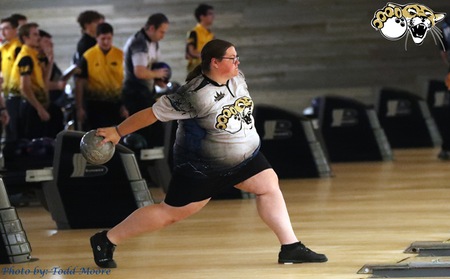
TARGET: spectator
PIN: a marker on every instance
(101, 79)
(56, 86)
(199, 35)
(31, 79)
(88, 21)
(21, 19)
(12, 98)
(141, 51)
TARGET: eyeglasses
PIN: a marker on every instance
(235, 59)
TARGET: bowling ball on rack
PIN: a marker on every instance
(163, 65)
(135, 142)
(41, 147)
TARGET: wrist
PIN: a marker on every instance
(118, 132)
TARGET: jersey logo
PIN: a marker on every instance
(219, 96)
(233, 118)
(25, 69)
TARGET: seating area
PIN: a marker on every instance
(300, 49)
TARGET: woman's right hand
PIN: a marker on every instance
(109, 134)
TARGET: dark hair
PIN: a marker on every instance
(213, 49)
(44, 34)
(156, 20)
(202, 10)
(24, 30)
(89, 16)
(13, 21)
(104, 28)
(19, 17)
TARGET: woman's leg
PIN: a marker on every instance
(270, 204)
(152, 218)
(144, 219)
(272, 209)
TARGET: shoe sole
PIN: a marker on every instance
(297, 262)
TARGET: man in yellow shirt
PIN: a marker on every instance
(9, 49)
(98, 99)
(199, 35)
(30, 79)
(8, 53)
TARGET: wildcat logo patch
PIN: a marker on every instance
(394, 21)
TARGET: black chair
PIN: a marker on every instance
(82, 195)
(351, 130)
(290, 143)
(406, 119)
(438, 100)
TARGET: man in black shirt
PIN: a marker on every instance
(141, 52)
(88, 21)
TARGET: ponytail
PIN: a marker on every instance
(194, 73)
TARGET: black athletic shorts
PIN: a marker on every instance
(186, 187)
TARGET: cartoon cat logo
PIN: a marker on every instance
(237, 116)
(395, 21)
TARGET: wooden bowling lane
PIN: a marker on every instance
(366, 213)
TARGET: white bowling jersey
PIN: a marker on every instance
(216, 129)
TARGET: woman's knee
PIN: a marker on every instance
(179, 213)
(264, 182)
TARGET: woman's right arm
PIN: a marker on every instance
(139, 120)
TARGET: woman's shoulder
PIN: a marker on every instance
(193, 86)
(191, 96)
(238, 81)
